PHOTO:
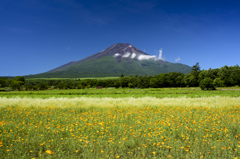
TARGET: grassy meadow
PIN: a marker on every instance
(179, 123)
(125, 92)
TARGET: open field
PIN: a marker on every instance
(207, 127)
(120, 102)
(126, 92)
(120, 123)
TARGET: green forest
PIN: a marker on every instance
(205, 79)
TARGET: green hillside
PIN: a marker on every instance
(107, 66)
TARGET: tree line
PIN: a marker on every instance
(206, 79)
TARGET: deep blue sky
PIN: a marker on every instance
(39, 35)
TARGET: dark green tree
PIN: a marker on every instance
(143, 82)
(29, 87)
(194, 81)
(61, 85)
(226, 75)
(117, 84)
(154, 82)
(42, 86)
(130, 85)
(20, 79)
(207, 84)
(100, 83)
(163, 80)
(174, 79)
(180, 80)
(15, 85)
(4, 82)
(124, 81)
(218, 82)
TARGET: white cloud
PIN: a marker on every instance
(178, 59)
(160, 55)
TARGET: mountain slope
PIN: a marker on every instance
(114, 61)
(119, 48)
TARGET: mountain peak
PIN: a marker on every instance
(122, 48)
(119, 51)
(115, 60)
(125, 50)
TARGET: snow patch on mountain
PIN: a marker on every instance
(147, 57)
(129, 51)
(126, 55)
(116, 55)
(133, 55)
(127, 47)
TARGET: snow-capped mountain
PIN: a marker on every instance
(130, 51)
(115, 60)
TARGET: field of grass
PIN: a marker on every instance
(126, 92)
(207, 127)
(120, 123)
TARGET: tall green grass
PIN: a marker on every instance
(126, 92)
